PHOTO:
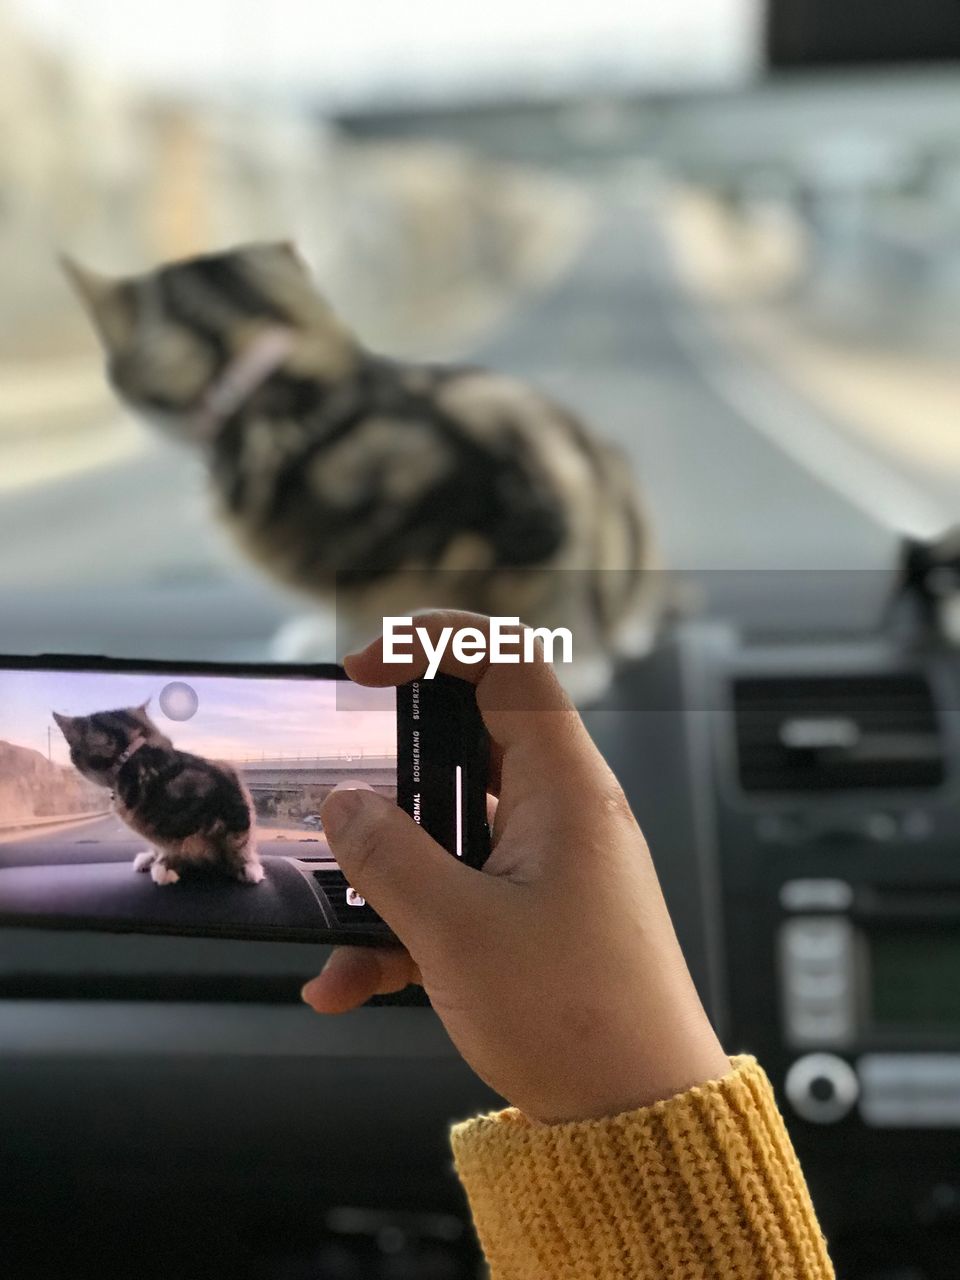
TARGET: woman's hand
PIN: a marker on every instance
(555, 970)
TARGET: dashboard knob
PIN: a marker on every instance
(822, 1088)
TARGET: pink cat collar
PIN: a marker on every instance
(245, 373)
(133, 748)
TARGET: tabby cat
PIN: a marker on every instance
(389, 486)
(196, 814)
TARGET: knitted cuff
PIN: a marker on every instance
(702, 1186)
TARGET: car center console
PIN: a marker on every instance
(835, 782)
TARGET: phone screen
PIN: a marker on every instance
(184, 801)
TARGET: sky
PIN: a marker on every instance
(235, 719)
(396, 49)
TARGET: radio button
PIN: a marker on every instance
(830, 1027)
(816, 895)
(917, 825)
(816, 938)
(817, 985)
(881, 827)
(822, 1088)
(911, 1090)
(817, 997)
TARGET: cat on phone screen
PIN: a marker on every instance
(196, 813)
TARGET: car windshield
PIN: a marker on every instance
(750, 283)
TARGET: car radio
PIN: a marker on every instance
(839, 829)
(871, 971)
(834, 845)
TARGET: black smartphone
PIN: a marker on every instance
(185, 798)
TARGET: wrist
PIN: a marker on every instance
(612, 1080)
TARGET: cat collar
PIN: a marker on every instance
(245, 374)
(134, 746)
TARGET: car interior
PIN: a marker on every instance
(729, 237)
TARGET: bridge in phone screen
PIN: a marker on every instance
(295, 773)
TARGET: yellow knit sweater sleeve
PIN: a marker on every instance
(704, 1186)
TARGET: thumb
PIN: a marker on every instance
(413, 883)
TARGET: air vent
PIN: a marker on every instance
(334, 886)
(835, 734)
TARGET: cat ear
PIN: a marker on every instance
(288, 249)
(65, 722)
(103, 298)
(141, 711)
(91, 287)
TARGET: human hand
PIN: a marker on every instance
(555, 969)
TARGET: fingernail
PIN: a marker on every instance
(309, 986)
(339, 809)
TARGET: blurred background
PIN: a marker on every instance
(727, 232)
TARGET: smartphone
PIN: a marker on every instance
(185, 798)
